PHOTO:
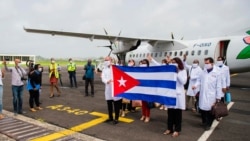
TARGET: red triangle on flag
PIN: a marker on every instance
(122, 81)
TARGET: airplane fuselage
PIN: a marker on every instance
(228, 47)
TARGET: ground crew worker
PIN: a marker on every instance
(72, 72)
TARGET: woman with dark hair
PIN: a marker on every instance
(34, 84)
(145, 108)
(175, 112)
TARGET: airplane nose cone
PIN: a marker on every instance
(247, 40)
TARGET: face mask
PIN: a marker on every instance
(130, 64)
(70, 61)
(19, 64)
(107, 63)
(143, 65)
(208, 66)
(219, 63)
(40, 69)
(163, 64)
(174, 64)
(53, 61)
(195, 65)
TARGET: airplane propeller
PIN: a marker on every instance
(172, 36)
(111, 43)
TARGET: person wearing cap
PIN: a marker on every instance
(72, 72)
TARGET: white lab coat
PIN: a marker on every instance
(194, 73)
(180, 92)
(210, 88)
(106, 76)
(225, 79)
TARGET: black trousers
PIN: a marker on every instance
(72, 77)
(174, 120)
(117, 107)
(91, 82)
(34, 96)
(207, 118)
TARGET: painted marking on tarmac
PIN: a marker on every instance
(81, 127)
(206, 134)
(234, 74)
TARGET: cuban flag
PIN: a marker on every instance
(152, 84)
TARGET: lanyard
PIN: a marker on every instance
(21, 75)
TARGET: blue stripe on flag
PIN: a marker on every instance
(158, 83)
(155, 69)
(170, 101)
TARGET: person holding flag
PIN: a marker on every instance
(106, 77)
(175, 112)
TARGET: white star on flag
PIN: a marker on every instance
(122, 82)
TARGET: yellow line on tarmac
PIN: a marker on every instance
(234, 74)
(81, 127)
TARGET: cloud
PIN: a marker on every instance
(141, 18)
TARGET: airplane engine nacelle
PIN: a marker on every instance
(123, 47)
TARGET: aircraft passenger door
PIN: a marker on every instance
(221, 50)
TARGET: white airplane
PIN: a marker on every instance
(235, 49)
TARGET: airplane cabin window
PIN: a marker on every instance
(133, 55)
(130, 55)
(175, 53)
(140, 55)
(170, 53)
(160, 54)
(136, 55)
(156, 54)
(206, 52)
(187, 53)
(166, 53)
(199, 52)
(181, 53)
(192, 53)
(143, 55)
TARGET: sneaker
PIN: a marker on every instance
(32, 110)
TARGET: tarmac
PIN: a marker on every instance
(75, 117)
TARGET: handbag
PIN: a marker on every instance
(219, 109)
(228, 97)
(84, 77)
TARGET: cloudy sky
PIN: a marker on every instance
(191, 19)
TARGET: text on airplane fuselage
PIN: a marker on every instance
(202, 44)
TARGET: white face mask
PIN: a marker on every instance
(174, 64)
(19, 64)
(219, 63)
(107, 63)
(208, 66)
(130, 64)
(53, 61)
(70, 61)
(195, 65)
(40, 69)
(143, 65)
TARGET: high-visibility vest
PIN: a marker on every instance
(55, 70)
(71, 66)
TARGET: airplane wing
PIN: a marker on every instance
(153, 42)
